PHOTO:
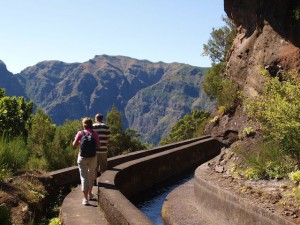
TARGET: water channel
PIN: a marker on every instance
(150, 201)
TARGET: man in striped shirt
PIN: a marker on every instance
(104, 134)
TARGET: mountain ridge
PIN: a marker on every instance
(150, 96)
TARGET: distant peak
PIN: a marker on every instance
(2, 65)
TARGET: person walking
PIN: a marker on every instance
(104, 135)
(88, 140)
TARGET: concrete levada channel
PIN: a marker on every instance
(150, 202)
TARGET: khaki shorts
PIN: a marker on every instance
(101, 162)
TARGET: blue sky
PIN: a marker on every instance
(76, 30)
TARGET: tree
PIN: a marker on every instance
(121, 142)
(212, 84)
(187, 127)
(114, 120)
(220, 42)
(215, 84)
(15, 114)
(39, 139)
(62, 154)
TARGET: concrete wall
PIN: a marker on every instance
(70, 175)
(218, 203)
(128, 179)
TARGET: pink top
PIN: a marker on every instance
(79, 135)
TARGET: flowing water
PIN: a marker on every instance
(150, 202)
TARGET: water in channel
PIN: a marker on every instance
(150, 201)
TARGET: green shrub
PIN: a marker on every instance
(277, 111)
(228, 96)
(4, 173)
(295, 176)
(222, 109)
(215, 120)
(254, 173)
(235, 171)
(13, 154)
(212, 84)
(61, 154)
(265, 160)
(15, 115)
(35, 163)
(55, 221)
(221, 88)
(247, 132)
(190, 126)
(291, 196)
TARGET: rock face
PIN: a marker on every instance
(150, 96)
(268, 37)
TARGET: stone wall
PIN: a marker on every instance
(123, 181)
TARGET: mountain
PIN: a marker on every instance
(10, 82)
(150, 96)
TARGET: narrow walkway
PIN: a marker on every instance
(74, 213)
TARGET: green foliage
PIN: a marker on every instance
(277, 111)
(15, 115)
(62, 154)
(40, 137)
(220, 42)
(228, 96)
(187, 127)
(13, 155)
(5, 215)
(2, 92)
(215, 85)
(4, 174)
(51, 146)
(114, 120)
(295, 176)
(121, 142)
(221, 109)
(247, 132)
(265, 160)
(55, 221)
(215, 120)
(212, 84)
(223, 89)
(291, 196)
(235, 171)
(254, 173)
(125, 142)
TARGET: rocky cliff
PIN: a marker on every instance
(268, 37)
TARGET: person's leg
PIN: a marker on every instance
(83, 171)
(97, 170)
(98, 164)
(92, 173)
(103, 162)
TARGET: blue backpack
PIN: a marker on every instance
(87, 145)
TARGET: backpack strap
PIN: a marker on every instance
(83, 133)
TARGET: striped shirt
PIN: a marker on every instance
(104, 134)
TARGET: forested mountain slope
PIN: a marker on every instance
(150, 96)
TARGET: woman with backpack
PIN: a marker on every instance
(87, 160)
